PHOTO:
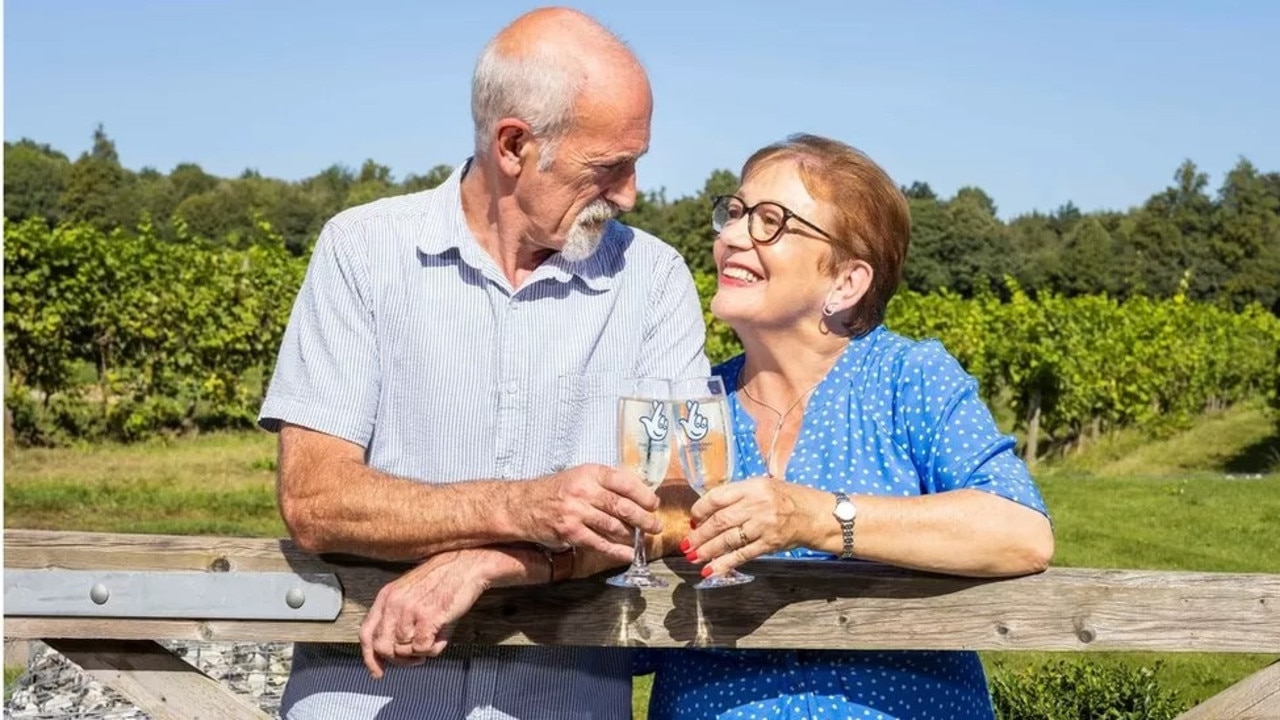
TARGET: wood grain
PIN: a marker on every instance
(151, 677)
(1256, 697)
(792, 604)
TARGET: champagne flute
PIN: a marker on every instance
(707, 449)
(644, 447)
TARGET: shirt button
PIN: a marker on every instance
(512, 388)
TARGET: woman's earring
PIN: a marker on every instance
(829, 309)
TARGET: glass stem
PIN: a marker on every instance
(638, 560)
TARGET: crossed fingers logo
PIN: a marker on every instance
(696, 425)
(655, 424)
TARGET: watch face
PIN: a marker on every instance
(845, 510)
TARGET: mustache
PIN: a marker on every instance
(598, 212)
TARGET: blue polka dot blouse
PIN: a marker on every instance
(893, 417)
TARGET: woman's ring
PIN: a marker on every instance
(742, 535)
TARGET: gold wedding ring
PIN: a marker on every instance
(742, 535)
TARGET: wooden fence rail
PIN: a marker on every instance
(792, 604)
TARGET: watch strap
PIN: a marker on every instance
(846, 529)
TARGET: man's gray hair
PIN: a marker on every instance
(537, 87)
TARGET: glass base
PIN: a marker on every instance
(715, 581)
(636, 577)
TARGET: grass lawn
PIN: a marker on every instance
(218, 484)
(1206, 499)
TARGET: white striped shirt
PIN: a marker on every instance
(408, 340)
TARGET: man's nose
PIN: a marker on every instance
(623, 194)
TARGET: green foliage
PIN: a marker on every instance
(171, 330)
(1218, 246)
(34, 178)
(1083, 691)
(722, 343)
(1091, 363)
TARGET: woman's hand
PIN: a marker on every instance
(739, 521)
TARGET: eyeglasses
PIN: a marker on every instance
(765, 220)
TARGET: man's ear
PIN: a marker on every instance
(852, 283)
(513, 146)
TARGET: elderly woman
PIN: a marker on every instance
(853, 442)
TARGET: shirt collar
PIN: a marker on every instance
(598, 272)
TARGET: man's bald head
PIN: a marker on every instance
(540, 67)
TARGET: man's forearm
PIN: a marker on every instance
(332, 501)
(342, 505)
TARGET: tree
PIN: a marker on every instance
(1169, 236)
(434, 177)
(1087, 260)
(919, 191)
(1247, 237)
(688, 222)
(35, 176)
(925, 270)
(975, 250)
(97, 187)
(190, 179)
(1037, 250)
(373, 182)
(1065, 218)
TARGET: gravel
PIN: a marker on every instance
(54, 687)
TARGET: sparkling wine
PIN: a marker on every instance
(706, 448)
(646, 435)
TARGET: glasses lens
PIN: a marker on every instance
(725, 210)
(766, 221)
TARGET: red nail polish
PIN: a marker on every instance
(693, 524)
(684, 546)
(691, 556)
(706, 571)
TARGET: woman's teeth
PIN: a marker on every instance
(742, 274)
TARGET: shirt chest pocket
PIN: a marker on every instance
(587, 418)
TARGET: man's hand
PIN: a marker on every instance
(413, 615)
(589, 506)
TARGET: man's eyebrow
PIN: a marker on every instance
(622, 158)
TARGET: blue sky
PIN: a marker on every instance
(1038, 103)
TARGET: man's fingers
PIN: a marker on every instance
(384, 638)
(632, 514)
(371, 660)
(630, 486)
(428, 635)
(616, 542)
(408, 628)
(367, 630)
(609, 528)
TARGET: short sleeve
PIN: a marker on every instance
(326, 374)
(675, 333)
(952, 436)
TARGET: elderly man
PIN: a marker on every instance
(447, 385)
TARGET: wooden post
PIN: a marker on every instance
(151, 677)
(1257, 697)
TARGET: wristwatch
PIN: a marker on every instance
(845, 511)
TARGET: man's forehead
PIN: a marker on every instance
(603, 149)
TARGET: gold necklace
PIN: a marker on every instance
(782, 418)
